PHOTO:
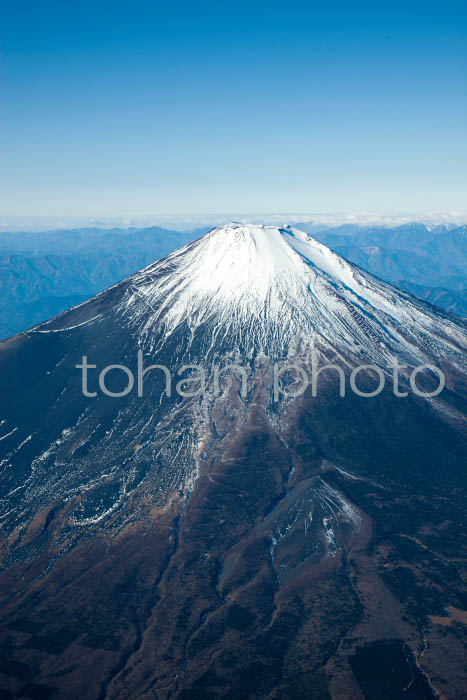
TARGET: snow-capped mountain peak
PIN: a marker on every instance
(271, 289)
(248, 262)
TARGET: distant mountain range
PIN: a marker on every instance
(42, 274)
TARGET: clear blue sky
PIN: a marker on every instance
(112, 108)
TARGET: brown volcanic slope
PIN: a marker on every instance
(229, 547)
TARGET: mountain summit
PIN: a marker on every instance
(263, 289)
(223, 543)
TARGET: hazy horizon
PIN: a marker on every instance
(191, 221)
